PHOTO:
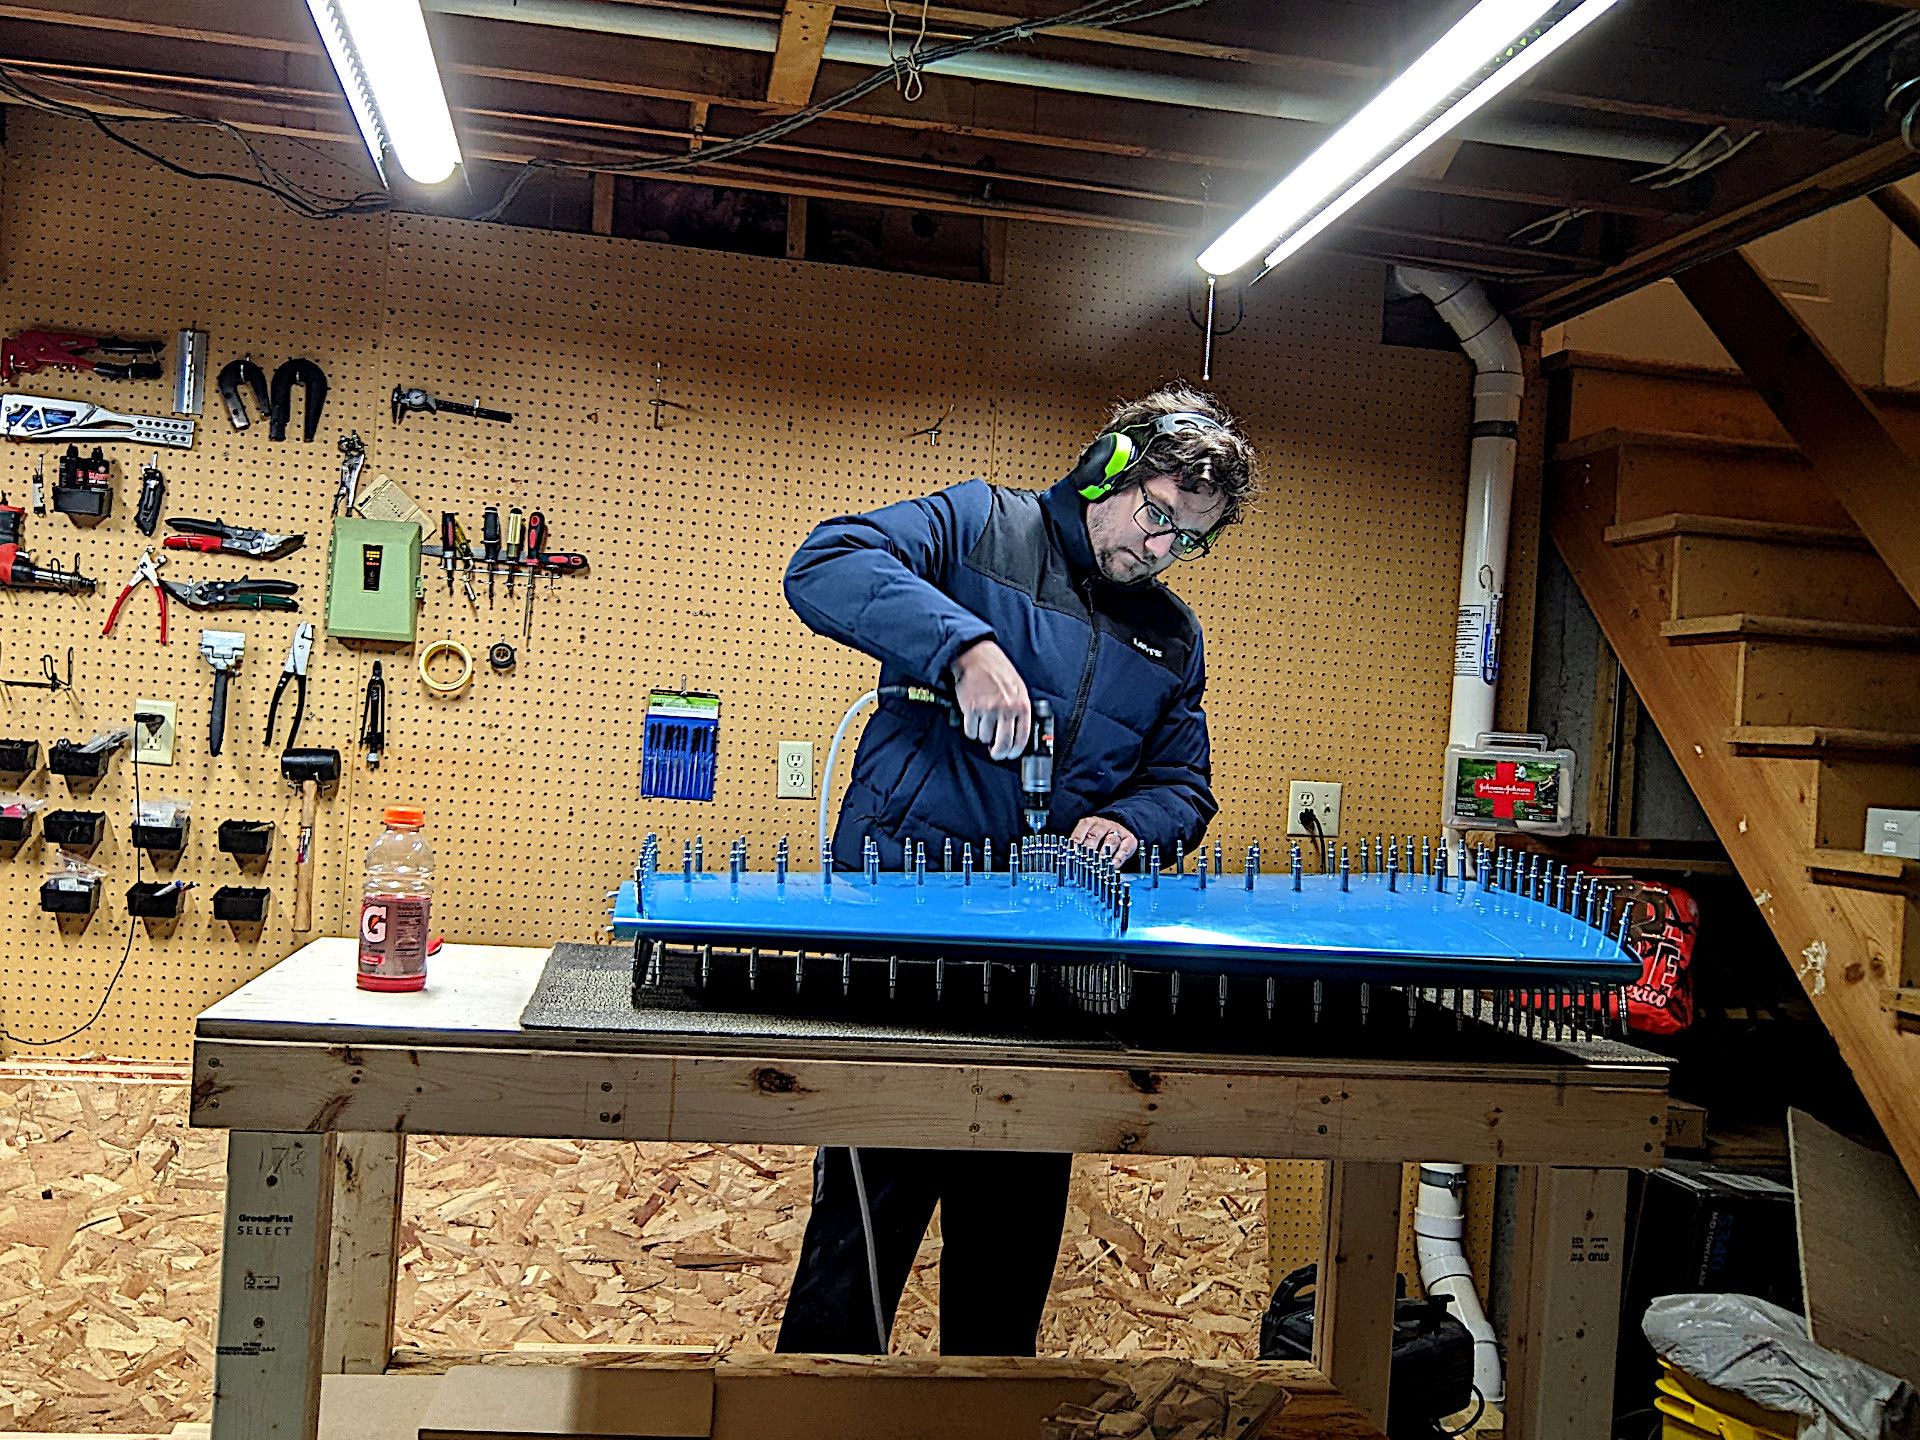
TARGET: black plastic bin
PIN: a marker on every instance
(15, 828)
(171, 839)
(19, 757)
(75, 829)
(58, 900)
(240, 904)
(154, 900)
(246, 837)
(72, 761)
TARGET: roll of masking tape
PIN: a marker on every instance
(433, 652)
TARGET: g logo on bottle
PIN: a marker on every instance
(373, 924)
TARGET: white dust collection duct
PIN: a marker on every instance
(1639, 143)
(1498, 387)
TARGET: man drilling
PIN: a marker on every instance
(1005, 597)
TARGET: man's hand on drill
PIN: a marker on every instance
(1110, 836)
(994, 706)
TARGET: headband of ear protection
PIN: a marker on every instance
(1104, 465)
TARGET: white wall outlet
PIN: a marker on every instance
(154, 747)
(1322, 797)
(796, 771)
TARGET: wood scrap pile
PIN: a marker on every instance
(1171, 1400)
(110, 1230)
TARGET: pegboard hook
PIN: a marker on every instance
(50, 676)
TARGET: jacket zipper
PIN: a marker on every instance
(1086, 683)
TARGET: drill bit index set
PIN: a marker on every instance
(1505, 936)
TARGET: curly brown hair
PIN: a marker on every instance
(1206, 462)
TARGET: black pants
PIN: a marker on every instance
(1000, 1219)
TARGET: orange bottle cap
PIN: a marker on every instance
(405, 815)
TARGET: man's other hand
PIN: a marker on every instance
(1108, 836)
(994, 707)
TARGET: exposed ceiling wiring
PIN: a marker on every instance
(904, 72)
(1719, 145)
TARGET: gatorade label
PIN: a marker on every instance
(393, 936)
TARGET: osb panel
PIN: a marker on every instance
(110, 1213)
(1329, 615)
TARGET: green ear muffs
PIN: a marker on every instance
(1104, 465)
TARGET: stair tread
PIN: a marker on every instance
(1835, 739)
(1617, 439)
(1711, 628)
(1867, 871)
(1730, 527)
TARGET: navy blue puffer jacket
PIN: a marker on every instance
(915, 583)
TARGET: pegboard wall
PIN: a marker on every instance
(1328, 616)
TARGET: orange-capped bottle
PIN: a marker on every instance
(395, 904)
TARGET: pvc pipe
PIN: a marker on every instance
(1439, 1220)
(1499, 384)
(1641, 144)
(1498, 387)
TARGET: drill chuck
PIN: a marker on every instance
(1036, 769)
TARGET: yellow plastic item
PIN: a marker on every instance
(1691, 1409)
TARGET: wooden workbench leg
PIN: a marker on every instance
(273, 1286)
(1570, 1229)
(362, 1260)
(1353, 1311)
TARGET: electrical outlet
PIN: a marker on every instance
(1322, 797)
(154, 747)
(796, 771)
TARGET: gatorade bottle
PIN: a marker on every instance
(393, 910)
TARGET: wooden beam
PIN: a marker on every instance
(1565, 1324)
(994, 243)
(796, 58)
(363, 1257)
(1860, 173)
(797, 227)
(1904, 214)
(1354, 1285)
(1247, 1105)
(602, 203)
(273, 1285)
(1835, 424)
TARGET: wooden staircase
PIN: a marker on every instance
(1780, 659)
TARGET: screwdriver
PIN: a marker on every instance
(536, 549)
(516, 537)
(490, 537)
(449, 545)
(466, 560)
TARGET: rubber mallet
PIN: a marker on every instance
(309, 769)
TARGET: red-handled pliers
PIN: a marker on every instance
(145, 572)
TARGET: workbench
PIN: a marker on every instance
(320, 1083)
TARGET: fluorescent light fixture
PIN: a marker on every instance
(1490, 48)
(380, 51)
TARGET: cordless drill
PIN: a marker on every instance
(1036, 762)
(1036, 769)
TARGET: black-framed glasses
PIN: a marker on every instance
(1187, 544)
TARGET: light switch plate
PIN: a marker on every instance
(796, 771)
(154, 747)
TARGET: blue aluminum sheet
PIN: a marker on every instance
(1415, 932)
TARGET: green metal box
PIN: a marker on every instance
(374, 586)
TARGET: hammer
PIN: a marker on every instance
(309, 769)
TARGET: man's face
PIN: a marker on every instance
(1123, 546)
